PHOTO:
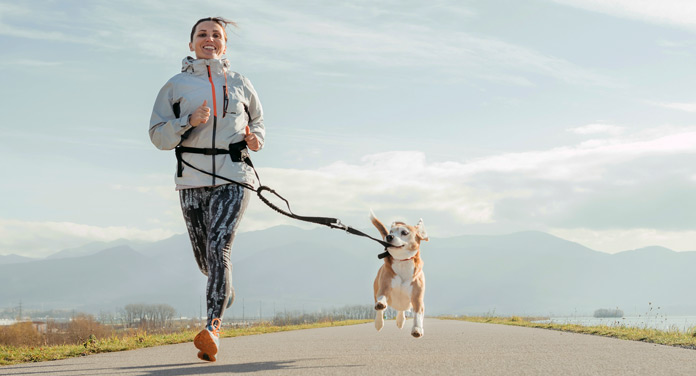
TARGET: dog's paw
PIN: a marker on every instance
(380, 306)
(417, 332)
(379, 320)
(400, 319)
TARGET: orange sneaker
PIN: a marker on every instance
(208, 341)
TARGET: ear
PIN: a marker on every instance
(422, 234)
(380, 226)
(191, 46)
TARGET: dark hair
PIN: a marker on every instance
(218, 20)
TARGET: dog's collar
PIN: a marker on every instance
(387, 254)
(410, 258)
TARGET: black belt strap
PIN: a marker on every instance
(239, 153)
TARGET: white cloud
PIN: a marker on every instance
(481, 191)
(587, 160)
(293, 37)
(613, 241)
(29, 63)
(39, 239)
(598, 128)
(471, 191)
(672, 12)
(688, 107)
(311, 39)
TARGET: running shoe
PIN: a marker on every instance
(208, 341)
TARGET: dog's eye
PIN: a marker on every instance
(404, 232)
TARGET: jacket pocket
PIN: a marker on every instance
(234, 107)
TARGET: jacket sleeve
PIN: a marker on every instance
(255, 113)
(165, 129)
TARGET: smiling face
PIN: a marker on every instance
(405, 239)
(208, 40)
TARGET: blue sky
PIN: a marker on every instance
(574, 117)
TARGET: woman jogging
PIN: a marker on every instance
(210, 115)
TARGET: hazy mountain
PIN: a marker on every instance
(91, 248)
(289, 268)
(14, 259)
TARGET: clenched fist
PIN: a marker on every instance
(251, 140)
(200, 115)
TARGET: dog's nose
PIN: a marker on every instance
(390, 238)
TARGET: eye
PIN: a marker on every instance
(404, 232)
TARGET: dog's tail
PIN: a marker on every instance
(380, 226)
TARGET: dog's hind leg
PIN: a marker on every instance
(418, 310)
(417, 330)
(379, 320)
(400, 319)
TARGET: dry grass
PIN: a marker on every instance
(670, 338)
(34, 353)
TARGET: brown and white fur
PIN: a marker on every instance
(400, 282)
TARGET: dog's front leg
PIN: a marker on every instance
(381, 303)
(380, 307)
(381, 290)
(382, 287)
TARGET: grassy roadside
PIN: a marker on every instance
(21, 354)
(669, 338)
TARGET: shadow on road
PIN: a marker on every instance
(201, 368)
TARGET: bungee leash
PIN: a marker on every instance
(239, 153)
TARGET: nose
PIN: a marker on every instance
(390, 238)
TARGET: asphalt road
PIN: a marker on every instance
(448, 348)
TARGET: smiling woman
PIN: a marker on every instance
(208, 37)
(209, 143)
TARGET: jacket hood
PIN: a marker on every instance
(197, 66)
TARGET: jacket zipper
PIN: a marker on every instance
(212, 86)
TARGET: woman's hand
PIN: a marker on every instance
(251, 140)
(200, 115)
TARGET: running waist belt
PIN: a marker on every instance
(237, 151)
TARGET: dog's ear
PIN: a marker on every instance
(421, 233)
(380, 226)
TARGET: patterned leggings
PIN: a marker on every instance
(212, 215)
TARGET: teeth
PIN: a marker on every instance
(209, 47)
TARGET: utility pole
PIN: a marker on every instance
(19, 318)
(260, 310)
(243, 309)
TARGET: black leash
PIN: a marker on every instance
(326, 221)
(241, 154)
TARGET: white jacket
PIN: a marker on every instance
(187, 90)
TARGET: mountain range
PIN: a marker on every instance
(287, 268)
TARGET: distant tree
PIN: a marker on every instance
(20, 334)
(84, 326)
(149, 316)
(604, 313)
